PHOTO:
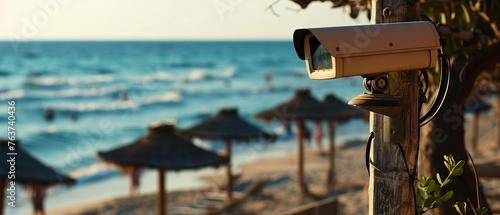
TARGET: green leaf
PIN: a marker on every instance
(447, 166)
(420, 199)
(437, 190)
(446, 196)
(447, 181)
(446, 157)
(460, 164)
(481, 211)
(461, 208)
(425, 181)
(436, 204)
(420, 209)
(438, 177)
(457, 172)
(431, 187)
(429, 201)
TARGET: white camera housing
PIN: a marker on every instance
(366, 50)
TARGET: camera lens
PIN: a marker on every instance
(321, 59)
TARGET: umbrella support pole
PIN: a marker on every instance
(302, 186)
(229, 186)
(331, 155)
(161, 201)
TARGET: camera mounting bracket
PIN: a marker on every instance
(377, 101)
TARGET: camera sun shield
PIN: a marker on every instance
(366, 50)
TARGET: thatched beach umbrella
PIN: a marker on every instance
(162, 149)
(301, 107)
(340, 112)
(26, 169)
(227, 125)
(476, 106)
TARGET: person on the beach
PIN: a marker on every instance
(37, 195)
(135, 175)
(318, 135)
(287, 125)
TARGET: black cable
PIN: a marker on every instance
(443, 90)
(444, 82)
(367, 152)
(412, 187)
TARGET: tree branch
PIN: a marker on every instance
(456, 33)
(486, 59)
(476, 8)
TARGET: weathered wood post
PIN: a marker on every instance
(302, 185)
(161, 205)
(331, 155)
(229, 185)
(391, 187)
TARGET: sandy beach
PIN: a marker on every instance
(279, 195)
(280, 172)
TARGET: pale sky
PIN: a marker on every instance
(162, 19)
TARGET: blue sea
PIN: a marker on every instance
(105, 94)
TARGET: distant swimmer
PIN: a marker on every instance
(268, 77)
(123, 95)
(49, 114)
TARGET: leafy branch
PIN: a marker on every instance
(429, 195)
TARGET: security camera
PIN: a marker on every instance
(367, 50)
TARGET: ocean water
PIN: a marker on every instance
(116, 89)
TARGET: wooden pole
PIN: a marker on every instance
(394, 147)
(161, 198)
(3, 181)
(331, 156)
(229, 187)
(300, 165)
(475, 130)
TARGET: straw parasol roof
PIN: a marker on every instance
(341, 111)
(162, 149)
(227, 124)
(301, 106)
(29, 170)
